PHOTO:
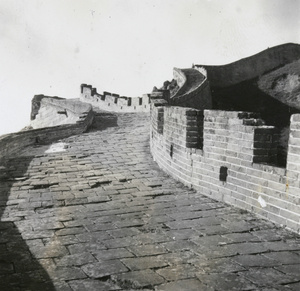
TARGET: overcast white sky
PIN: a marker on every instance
(125, 46)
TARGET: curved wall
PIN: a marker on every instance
(194, 89)
(180, 78)
(252, 67)
(199, 98)
(234, 162)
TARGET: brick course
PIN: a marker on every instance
(113, 102)
(239, 142)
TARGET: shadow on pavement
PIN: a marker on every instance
(19, 270)
(103, 120)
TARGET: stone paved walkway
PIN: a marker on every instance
(102, 216)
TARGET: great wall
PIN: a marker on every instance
(204, 130)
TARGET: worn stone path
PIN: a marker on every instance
(102, 216)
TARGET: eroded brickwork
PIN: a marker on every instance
(15, 143)
(55, 112)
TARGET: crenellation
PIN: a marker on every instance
(114, 102)
(247, 149)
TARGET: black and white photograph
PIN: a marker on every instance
(149, 145)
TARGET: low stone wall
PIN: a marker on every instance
(230, 157)
(13, 143)
(113, 102)
(53, 112)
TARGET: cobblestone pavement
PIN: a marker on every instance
(101, 216)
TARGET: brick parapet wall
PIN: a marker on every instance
(114, 102)
(226, 168)
(13, 143)
(293, 157)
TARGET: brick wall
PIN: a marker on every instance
(251, 67)
(113, 102)
(230, 156)
(180, 78)
(15, 142)
(199, 98)
(193, 91)
(53, 112)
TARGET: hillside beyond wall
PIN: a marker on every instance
(283, 84)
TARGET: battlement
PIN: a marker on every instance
(230, 156)
(114, 102)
